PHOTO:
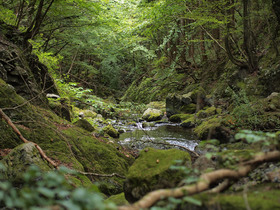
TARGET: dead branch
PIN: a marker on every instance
(11, 124)
(101, 175)
(204, 182)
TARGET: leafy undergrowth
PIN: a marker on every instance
(49, 190)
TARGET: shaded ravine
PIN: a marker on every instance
(159, 137)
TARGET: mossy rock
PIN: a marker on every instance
(188, 109)
(152, 171)
(61, 107)
(173, 104)
(82, 123)
(118, 199)
(177, 118)
(148, 124)
(212, 128)
(111, 131)
(133, 123)
(20, 159)
(189, 123)
(210, 111)
(152, 115)
(157, 105)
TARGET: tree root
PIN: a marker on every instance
(204, 182)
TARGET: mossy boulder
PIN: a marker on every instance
(190, 108)
(111, 131)
(210, 111)
(152, 171)
(157, 105)
(152, 115)
(180, 104)
(20, 158)
(212, 128)
(272, 102)
(148, 124)
(173, 104)
(89, 114)
(22, 69)
(189, 123)
(61, 107)
(82, 123)
(118, 199)
(177, 118)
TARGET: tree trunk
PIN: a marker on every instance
(248, 42)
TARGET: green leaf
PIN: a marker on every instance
(192, 201)
(46, 192)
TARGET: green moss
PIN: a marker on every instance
(152, 171)
(82, 123)
(148, 124)
(180, 117)
(209, 125)
(189, 123)
(80, 180)
(157, 105)
(146, 166)
(207, 112)
(118, 199)
(89, 114)
(229, 158)
(190, 108)
(152, 115)
(111, 131)
(258, 198)
(20, 158)
(97, 156)
(132, 123)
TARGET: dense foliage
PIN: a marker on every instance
(218, 58)
(47, 190)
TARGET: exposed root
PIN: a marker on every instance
(204, 182)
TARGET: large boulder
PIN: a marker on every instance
(82, 123)
(20, 158)
(152, 171)
(152, 115)
(185, 103)
(60, 106)
(213, 128)
(18, 67)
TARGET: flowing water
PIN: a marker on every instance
(161, 136)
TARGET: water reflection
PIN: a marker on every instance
(159, 137)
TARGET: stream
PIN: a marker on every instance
(159, 136)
